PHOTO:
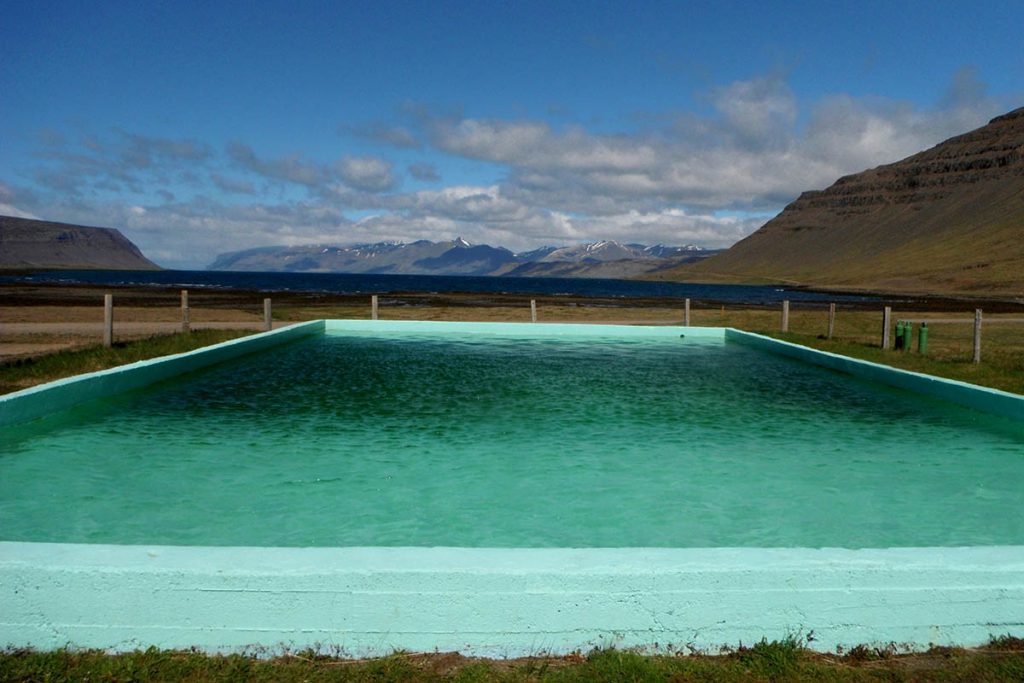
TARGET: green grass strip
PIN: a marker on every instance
(1002, 659)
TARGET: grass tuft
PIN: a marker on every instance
(1006, 643)
(772, 659)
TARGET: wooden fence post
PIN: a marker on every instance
(886, 319)
(108, 320)
(686, 313)
(374, 307)
(268, 321)
(977, 335)
(533, 310)
(186, 324)
(831, 320)
(785, 316)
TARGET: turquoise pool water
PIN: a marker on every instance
(356, 439)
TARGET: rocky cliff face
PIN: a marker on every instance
(31, 244)
(988, 154)
(949, 219)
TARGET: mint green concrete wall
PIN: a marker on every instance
(501, 602)
(969, 395)
(525, 329)
(29, 404)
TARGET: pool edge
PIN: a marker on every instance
(972, 396)
(35, 402)
(501, 602)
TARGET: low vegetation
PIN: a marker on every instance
(1002, 659)
(950, 351)
(22, 373)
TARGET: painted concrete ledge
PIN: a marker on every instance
(969, 395)
(582, 330)
(37, 402)
(501, 602)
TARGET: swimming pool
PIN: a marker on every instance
(502, 489)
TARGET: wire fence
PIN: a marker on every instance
(940, 334)
(943, 335)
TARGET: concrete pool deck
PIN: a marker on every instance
(496, 602)
(501, 602)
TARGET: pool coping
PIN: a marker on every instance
(501, 602)
(492, 601)
(36, 402)
(981, 398)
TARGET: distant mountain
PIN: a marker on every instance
(468, 260)
(663, 251)
(32, 244)
(600, 261)
(536, 254)
(947, 220)
(455, 257)
(458, 257)
(605, 250)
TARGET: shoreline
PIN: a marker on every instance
(1008, 298)
(15, 294)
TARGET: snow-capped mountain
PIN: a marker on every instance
(605, 250)
(606, 258)
(665, 251)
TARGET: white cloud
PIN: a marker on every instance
(9, 201)
(674, 177)
(753, 154)
(11, 210)
(292, 168)
(232, 185)
(143, 151)
(484, 204)
(671, 226)
(396, 136)
(369, 174)
(760, 113)
(535, 144)
(424, 171)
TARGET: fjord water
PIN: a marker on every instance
(418, 440)
(373, 283)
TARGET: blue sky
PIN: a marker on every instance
(197, 128)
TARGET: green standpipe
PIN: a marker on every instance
(922, 339)
(908, 335)
(898, 342)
